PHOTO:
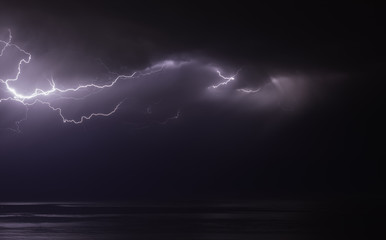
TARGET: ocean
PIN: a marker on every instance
(215, 220)
(113, 221)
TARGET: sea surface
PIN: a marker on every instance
(115, 221)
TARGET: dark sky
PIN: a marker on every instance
(219, 148)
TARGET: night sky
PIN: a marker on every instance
(309, 132)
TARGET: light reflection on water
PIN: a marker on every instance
(105, 221)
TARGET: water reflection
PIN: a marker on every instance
(264, 220)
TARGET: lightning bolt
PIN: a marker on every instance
(82, 118)
(227, 79)
(34, 98)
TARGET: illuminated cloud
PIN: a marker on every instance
(91, 89)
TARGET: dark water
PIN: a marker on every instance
(262, 220)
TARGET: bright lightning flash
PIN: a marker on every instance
(32, 99)
(227, 79)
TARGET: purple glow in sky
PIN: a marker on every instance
(27, 82)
